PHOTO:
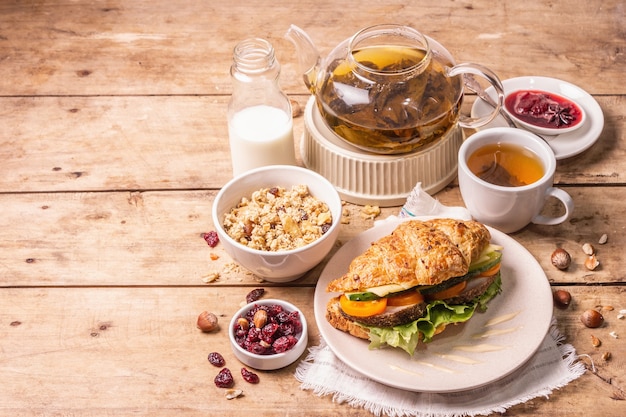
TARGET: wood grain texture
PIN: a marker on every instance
(154, 143)
(144, 47)
(120, 351)
(114, 144)
(155, 238)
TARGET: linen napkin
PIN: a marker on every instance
(552, 367)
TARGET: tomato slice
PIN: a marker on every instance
(405, 299)
(362, 308)
(491, 271)
(450, 292)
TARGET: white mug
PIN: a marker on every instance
(510, 209)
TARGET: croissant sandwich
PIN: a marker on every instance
(409, 285)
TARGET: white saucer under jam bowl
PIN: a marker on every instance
(564, 143)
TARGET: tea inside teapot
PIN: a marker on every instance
(388, 89)
(389, 101)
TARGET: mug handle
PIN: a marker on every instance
(567, 201)
(492, 78)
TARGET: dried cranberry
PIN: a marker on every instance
(249, 376)
(216, 359)
(294, 319)
(275, 191)
(254, 295)
(254, 334)
(256, 348)
(282, 317)
(284, 343)
(224, 379)
(268, 330)
(274, 310)
(287, 329)
(240, 331)
(211, 238)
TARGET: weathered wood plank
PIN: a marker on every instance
(146, 47)
(133, 143)
(122, 351)
(155, 238)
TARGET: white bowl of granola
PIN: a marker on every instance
(278, 221)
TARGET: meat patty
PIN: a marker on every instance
(395, 316)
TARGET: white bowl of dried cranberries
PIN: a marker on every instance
(268, 334)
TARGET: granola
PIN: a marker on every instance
(276, 219)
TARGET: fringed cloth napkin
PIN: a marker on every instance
(552, 367)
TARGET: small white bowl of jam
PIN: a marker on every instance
(543, 112)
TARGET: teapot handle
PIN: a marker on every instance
(492, 78)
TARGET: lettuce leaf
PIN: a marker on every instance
(437, 313)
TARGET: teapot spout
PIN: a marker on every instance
(308, 55)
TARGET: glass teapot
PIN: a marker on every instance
(389, 89)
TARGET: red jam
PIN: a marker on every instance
(543, 109)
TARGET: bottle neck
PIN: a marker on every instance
(255, 57)
(255, 72)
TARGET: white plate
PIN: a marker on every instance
(465, 356)
(565, 145)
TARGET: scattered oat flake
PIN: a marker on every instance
(613, 335)
(345, 217)
(212, 277)
(370, 212)
(214, 257)
(595, 341)
(233, 393)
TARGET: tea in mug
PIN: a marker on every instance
(506, 165)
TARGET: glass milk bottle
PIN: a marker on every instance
(260, 124)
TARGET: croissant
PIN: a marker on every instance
(416, 253)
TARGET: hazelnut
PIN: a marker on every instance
(207, 322)
(592, 318)
(260, 318)
(561, 259)
(562, 298)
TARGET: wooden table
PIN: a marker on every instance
(113, 145)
